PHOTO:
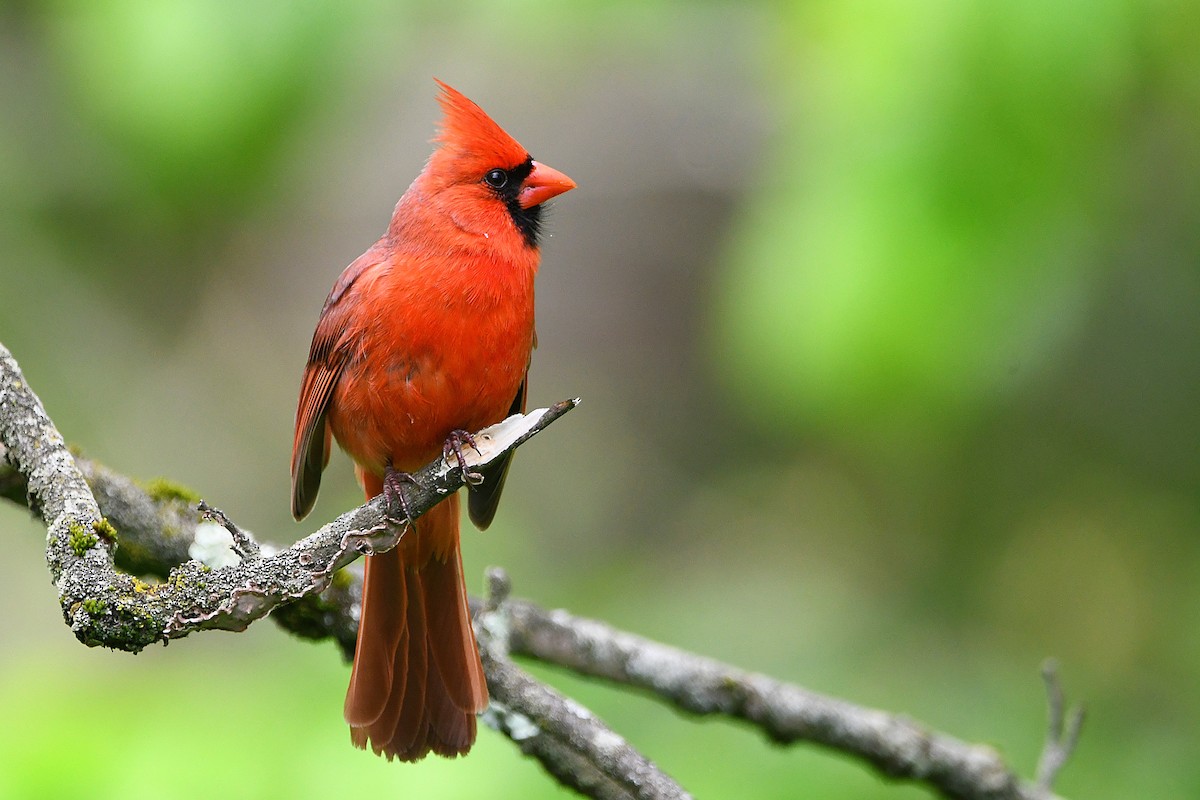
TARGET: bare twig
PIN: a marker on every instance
(1062, 733)
(243, 543)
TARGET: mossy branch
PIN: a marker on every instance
(107, 607)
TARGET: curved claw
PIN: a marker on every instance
(393, 493)
(454, 445)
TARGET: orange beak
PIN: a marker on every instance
(542, 184)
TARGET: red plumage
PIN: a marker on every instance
(428, 332)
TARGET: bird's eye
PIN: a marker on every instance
(497, 178)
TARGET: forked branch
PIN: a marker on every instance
(157, 528)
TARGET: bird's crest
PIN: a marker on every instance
(467, 129)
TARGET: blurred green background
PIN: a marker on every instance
(886, 317)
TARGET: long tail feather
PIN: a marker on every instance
(417, 682)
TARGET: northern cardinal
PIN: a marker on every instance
(427, 336)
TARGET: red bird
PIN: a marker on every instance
(427, 336)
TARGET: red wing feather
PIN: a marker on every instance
(326, 360)
(310, 448)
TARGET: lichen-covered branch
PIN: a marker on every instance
(106, 607)
(155, 524)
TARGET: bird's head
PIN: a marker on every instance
(479, 168)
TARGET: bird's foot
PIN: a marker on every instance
(455, 444)
(393, 494)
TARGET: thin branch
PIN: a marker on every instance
(785, 713)
(244, 545)
(572, 744)
(1063, 727)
